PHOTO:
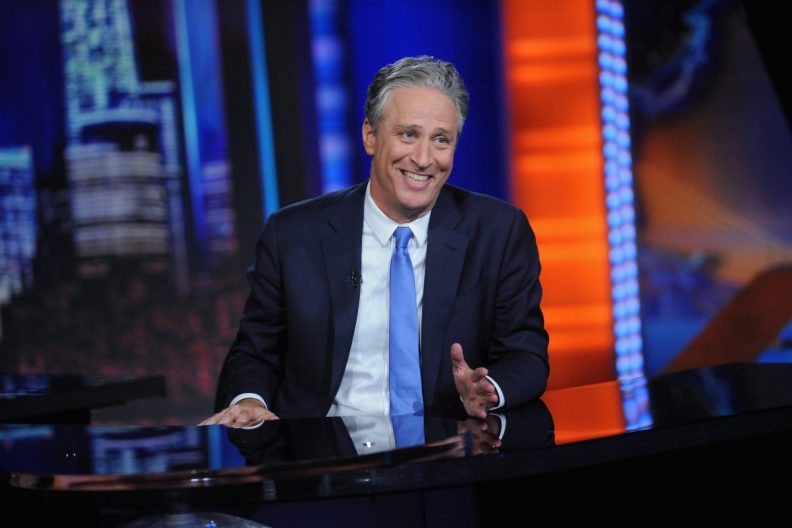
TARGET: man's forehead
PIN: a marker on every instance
(419, 107)
(417, 94)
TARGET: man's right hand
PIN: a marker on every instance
(244, 413)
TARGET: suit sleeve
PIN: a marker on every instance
(518, 346)
(254, 361)
(528, 426)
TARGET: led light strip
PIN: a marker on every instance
(619, 188)
(625, 291)
(332, 94)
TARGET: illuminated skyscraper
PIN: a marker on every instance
(18, 226)
(124, 149)
(122, 157)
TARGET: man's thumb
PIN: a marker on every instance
(457, 356)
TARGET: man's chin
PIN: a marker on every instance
(415, 209)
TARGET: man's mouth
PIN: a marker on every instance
(415, 177)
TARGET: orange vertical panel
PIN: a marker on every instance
(556, 176)
(601, 416)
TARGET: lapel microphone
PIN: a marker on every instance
(354, 278)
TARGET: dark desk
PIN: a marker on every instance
(63, 399)
(706, 445)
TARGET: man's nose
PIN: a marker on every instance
(422, 154)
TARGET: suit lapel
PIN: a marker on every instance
(341, 251)
(444, 261)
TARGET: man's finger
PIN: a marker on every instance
(213, 420)
(479, 374)
(458, 357)
(483, 384)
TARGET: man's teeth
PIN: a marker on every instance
(416, 177)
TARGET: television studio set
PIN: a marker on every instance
(367, 263)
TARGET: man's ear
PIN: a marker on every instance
(369, 137)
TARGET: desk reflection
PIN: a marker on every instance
(529, 426)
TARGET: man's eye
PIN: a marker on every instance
(408, 134)
(442, 139)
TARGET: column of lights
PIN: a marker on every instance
(332, 94)
(619, 188)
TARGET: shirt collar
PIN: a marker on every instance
(383, 227)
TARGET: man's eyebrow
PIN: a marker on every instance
(407, 126)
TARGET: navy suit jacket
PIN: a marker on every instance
(481, 289)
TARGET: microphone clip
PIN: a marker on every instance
(354, 278)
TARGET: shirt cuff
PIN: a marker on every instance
(502, 419)
(253, 395)
(246, 395)
(501, 399)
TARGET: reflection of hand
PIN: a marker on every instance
(245, 413)
(477, 393)
(484, 433)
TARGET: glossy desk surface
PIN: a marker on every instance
(68, 399)
(330, 457)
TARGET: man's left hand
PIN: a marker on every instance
(477, 393)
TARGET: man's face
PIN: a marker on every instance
(412, 151)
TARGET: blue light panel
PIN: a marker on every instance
(261, 101)
(332, 100)
(190, 117)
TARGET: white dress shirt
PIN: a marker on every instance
(365, 386)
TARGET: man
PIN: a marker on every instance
(340, 323)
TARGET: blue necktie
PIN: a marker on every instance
(404, 368)
(408, 430)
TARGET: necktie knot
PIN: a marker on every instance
(402, 236)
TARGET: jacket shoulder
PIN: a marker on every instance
(318, 205)
(318, 210)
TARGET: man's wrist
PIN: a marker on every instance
(499, 392)
(248, 396)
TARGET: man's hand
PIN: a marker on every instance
(477, 393)
(244, 413)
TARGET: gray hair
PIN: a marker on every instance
(416, 72)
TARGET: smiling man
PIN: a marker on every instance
(401, 295)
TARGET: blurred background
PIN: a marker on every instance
(143, 143)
